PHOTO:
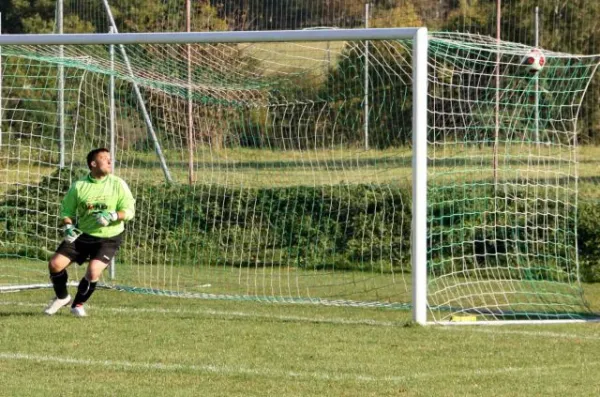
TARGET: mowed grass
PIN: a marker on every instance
(262, 168)
(370, 287)
(140, 345)
(287, 58)
(143, 345)
(148, 345)
(269, 283)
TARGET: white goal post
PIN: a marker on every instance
(417, 35)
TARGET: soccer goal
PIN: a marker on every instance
(372, 167)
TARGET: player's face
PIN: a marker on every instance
(102, 165)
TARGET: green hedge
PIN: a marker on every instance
(350, 227)
(588, 237)
(356, 227)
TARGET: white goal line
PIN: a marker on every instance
(225, 369)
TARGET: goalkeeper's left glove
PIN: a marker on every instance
(104, 218)
(70, 233)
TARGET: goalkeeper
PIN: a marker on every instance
(98, 204)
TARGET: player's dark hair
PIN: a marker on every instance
(92, 155)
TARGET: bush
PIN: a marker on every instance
(307, 227)
(588, 238)
(349, 227)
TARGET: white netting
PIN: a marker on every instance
(285, 204)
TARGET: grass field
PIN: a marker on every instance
(142, 345)
(244, 283)
(282, 58)
(259, 168)
(145, 345)
(139, 345)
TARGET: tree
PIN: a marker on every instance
(389, 85)
(570, 27)
(474, 16)
(28, 16)
(290, 14)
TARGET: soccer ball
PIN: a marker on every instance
(534, 61)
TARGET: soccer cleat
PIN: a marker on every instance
(78, 311)
(56, 304)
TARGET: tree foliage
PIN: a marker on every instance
(560, 30)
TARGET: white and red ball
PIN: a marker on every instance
(534, 61)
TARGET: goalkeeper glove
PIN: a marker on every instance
(104, 218)
(70, 233)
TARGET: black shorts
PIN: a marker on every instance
(90, 247)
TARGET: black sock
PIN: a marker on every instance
(84, 291)
(59, 283)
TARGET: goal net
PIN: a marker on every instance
(283, 172)
(502, 192)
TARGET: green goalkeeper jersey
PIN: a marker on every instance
(88, 195)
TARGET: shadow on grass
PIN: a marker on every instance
(22, 314)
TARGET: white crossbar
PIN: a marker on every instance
(209, 37)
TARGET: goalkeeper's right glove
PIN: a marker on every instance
(70, 233)
(104, 218)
